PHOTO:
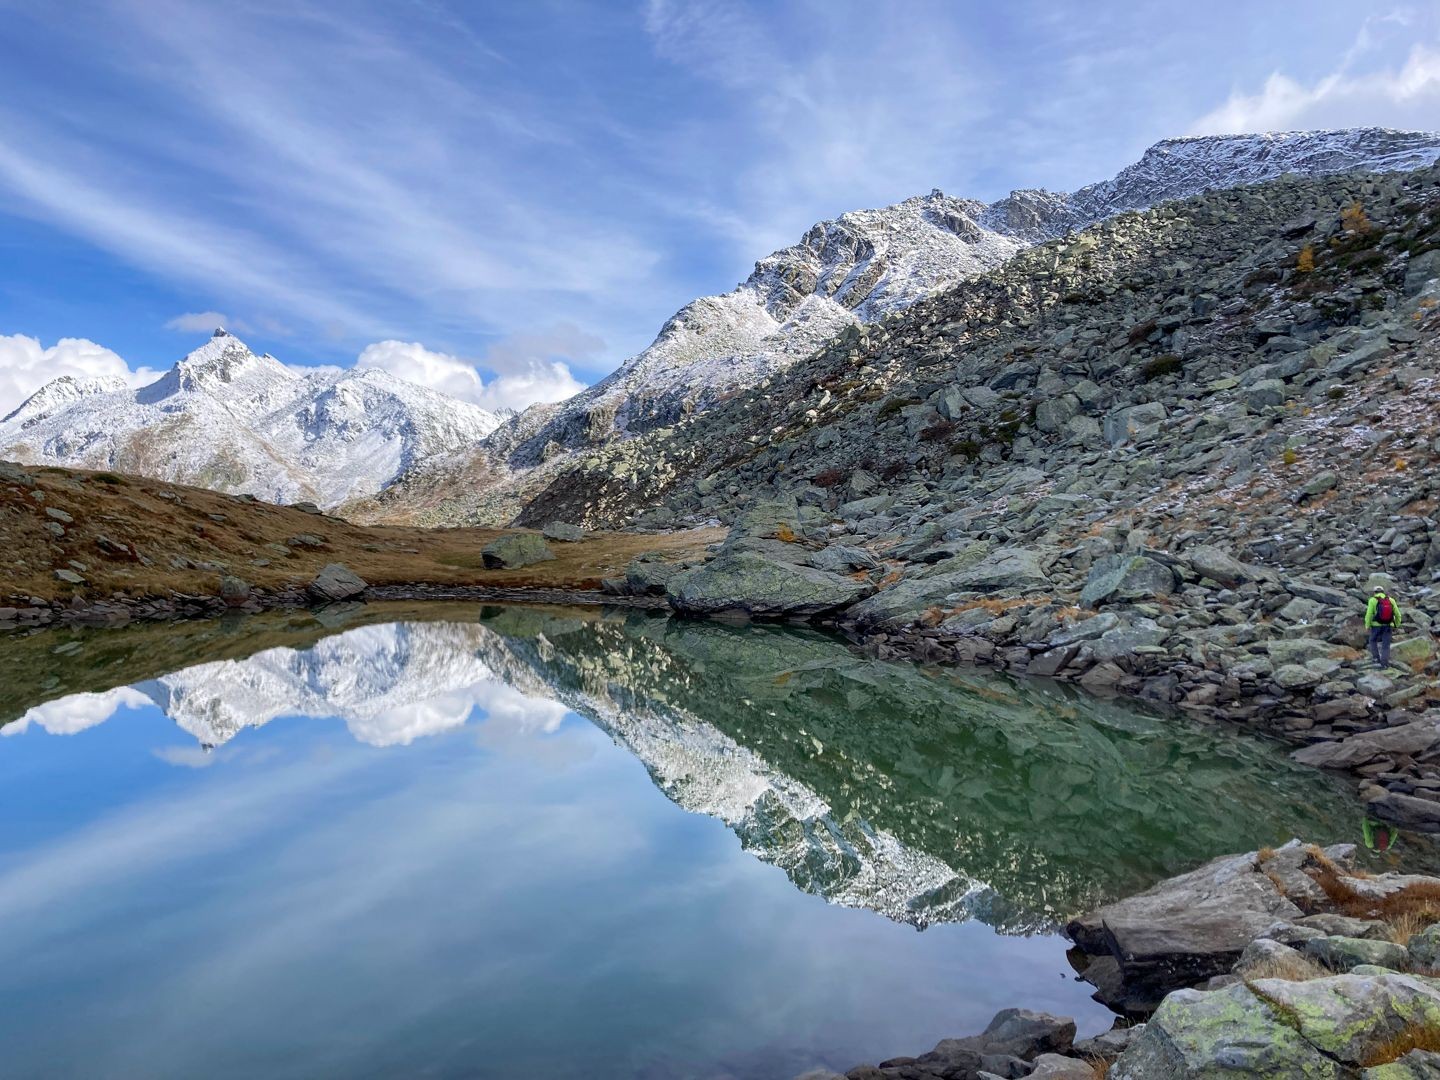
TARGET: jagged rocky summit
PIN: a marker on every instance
(227, 419)
(844, 274)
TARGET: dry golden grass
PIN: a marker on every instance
(1100, 1067)
(1420, 900)
(1295, 968)
(1265, 854)
(162, 521)
(1401, 928)
(1413, 1036)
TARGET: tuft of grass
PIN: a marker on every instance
(1265, 854)
(1289, 457)
(1401, 928)
(1421, 899)
(1295, 968)
(1415, 1035)
(785, 534)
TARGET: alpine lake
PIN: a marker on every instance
(488, 841)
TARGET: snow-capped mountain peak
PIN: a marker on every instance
(62, 392)
(865, 264)
(228, 418)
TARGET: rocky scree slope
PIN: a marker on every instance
(1159, 458)
(227, 419)
(845, 273)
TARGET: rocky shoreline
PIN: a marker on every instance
(1286, 962)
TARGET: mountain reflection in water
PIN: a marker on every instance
(927, 796)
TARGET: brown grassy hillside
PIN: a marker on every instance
(135, 536)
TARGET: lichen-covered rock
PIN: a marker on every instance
(1346, 1016)
(1416, 1065)
(1197, 1035)
(336, 582)
(514, 551)
(1424, 949)
(745, 582)
(1126, 577)
(1013, 569)
(1343, 953)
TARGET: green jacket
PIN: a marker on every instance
(1370, 612)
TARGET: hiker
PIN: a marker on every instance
(1382, 615)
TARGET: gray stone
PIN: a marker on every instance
(1219, 565)
(1424, 949)
(750, 583)
(234, 591)
(1343, 953)
(1416, 1065)
(336, 582)
(1052, 414)
(1357, 750)
(1183, 931)
(1125, 639)
(1056, 1067)
(1120, 577)
(1319, 484)
(1123, 424)
(1084, 630)
(1407, 811)
(514, 551)
(843, 559)
(1013, 569)
(562, 532)
(1263, 394)
(1346, 1015)
(1196, 1035)
(69, 577)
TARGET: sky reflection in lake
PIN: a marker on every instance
(479, 884)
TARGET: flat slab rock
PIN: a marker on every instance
(1179, 933)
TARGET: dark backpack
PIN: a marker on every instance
(1384, 611)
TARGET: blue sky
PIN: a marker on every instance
(530, 189)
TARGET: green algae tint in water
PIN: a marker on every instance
(505, 844)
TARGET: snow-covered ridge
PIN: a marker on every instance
(226, 418)
(866, 264)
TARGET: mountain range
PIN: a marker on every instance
(225, 418)
(382, 449)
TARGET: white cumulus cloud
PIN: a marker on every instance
(527, 368)
(77, 712)
(26, 365)
(1404, 96)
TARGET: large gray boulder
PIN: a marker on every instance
(647, 575)
(1179, 933)
(514, 551)
(1408, 739)
(1196, 1035)
(1011, 569)
(1219, 565)
(1123, 424)
(747, 582)
(336, 582)
(563, 532)
(1116, 578)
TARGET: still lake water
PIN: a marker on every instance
(565, 843)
